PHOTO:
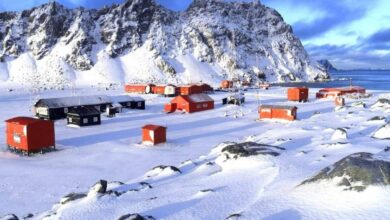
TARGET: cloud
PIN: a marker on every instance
(382, 36)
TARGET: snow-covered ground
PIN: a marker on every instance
(209, 187)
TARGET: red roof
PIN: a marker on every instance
(152, 127)
(23, 120)
(342, 89)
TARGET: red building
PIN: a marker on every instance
(191, 103)
(154, 134)
(29, 134)
(278, 112)
(299, 94)
(139, 88)
(335, 92)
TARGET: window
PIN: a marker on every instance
(139, 104)
(85, 121)
(17, 138)
(198, 106)
(95, 119)
(205, 105)
(66, 110)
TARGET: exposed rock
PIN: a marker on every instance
(135, 217)
(28, 216)
(9, 217)
(383, 132)
(72, 197)
(356, 172)
(382, 104)
(247, 149)
(163, 167)
(377, 118)
(99, 187)
(234, 216)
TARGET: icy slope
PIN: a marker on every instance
(142, 41)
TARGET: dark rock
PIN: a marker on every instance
(247, 149)
(72, 197)
(28, 216)
(359, 171)
(234, 216)
(135, 217)
(9, 217)
(377, 118)
(99, 187)
(163, 167)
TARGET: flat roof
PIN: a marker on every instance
(152, 127)
(23, 120)
(278, 107)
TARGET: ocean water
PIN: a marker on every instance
(370, 79)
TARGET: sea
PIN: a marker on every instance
(369, 79)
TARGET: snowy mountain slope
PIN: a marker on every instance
(143, 41)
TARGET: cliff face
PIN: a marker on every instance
(140, 40)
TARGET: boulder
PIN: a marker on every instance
(246, 149)
(9, 217)
(72, 197)
(135, 217)
(383, 132)
(356, 172)
(382, 104)
(99, 187)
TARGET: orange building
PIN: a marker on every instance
(299, 94)
(278, 112)
(226, 84)
(29, 134)
(154, 134)
(139, 88)
(190, 103)
(334, 92)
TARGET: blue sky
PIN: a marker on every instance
(351, 34)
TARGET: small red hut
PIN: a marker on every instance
(278, 112)
(29, 134)
(299, 94)
(191, 103)
(154, 134)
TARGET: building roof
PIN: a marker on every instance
(152, 127)
(199, 98)
(342, 89)
(23, 120)
(125, 98)
(74, 101)
(84, 111)
(279, 107)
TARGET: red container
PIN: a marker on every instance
(278, 112)
(29, 134)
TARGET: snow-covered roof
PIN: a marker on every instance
(126, 98)
(200, 98)
(84, 111)
(73, 101)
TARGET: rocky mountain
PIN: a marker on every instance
(327, 65)
(139, 41)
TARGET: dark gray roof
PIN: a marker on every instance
(84, 111)
(74, 101)
(278, 107)
(125, 98)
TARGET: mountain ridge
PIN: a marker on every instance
(141, 41)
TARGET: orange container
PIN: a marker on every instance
(278, 112)
(299, 94)
(29, 134)
(154, 134)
